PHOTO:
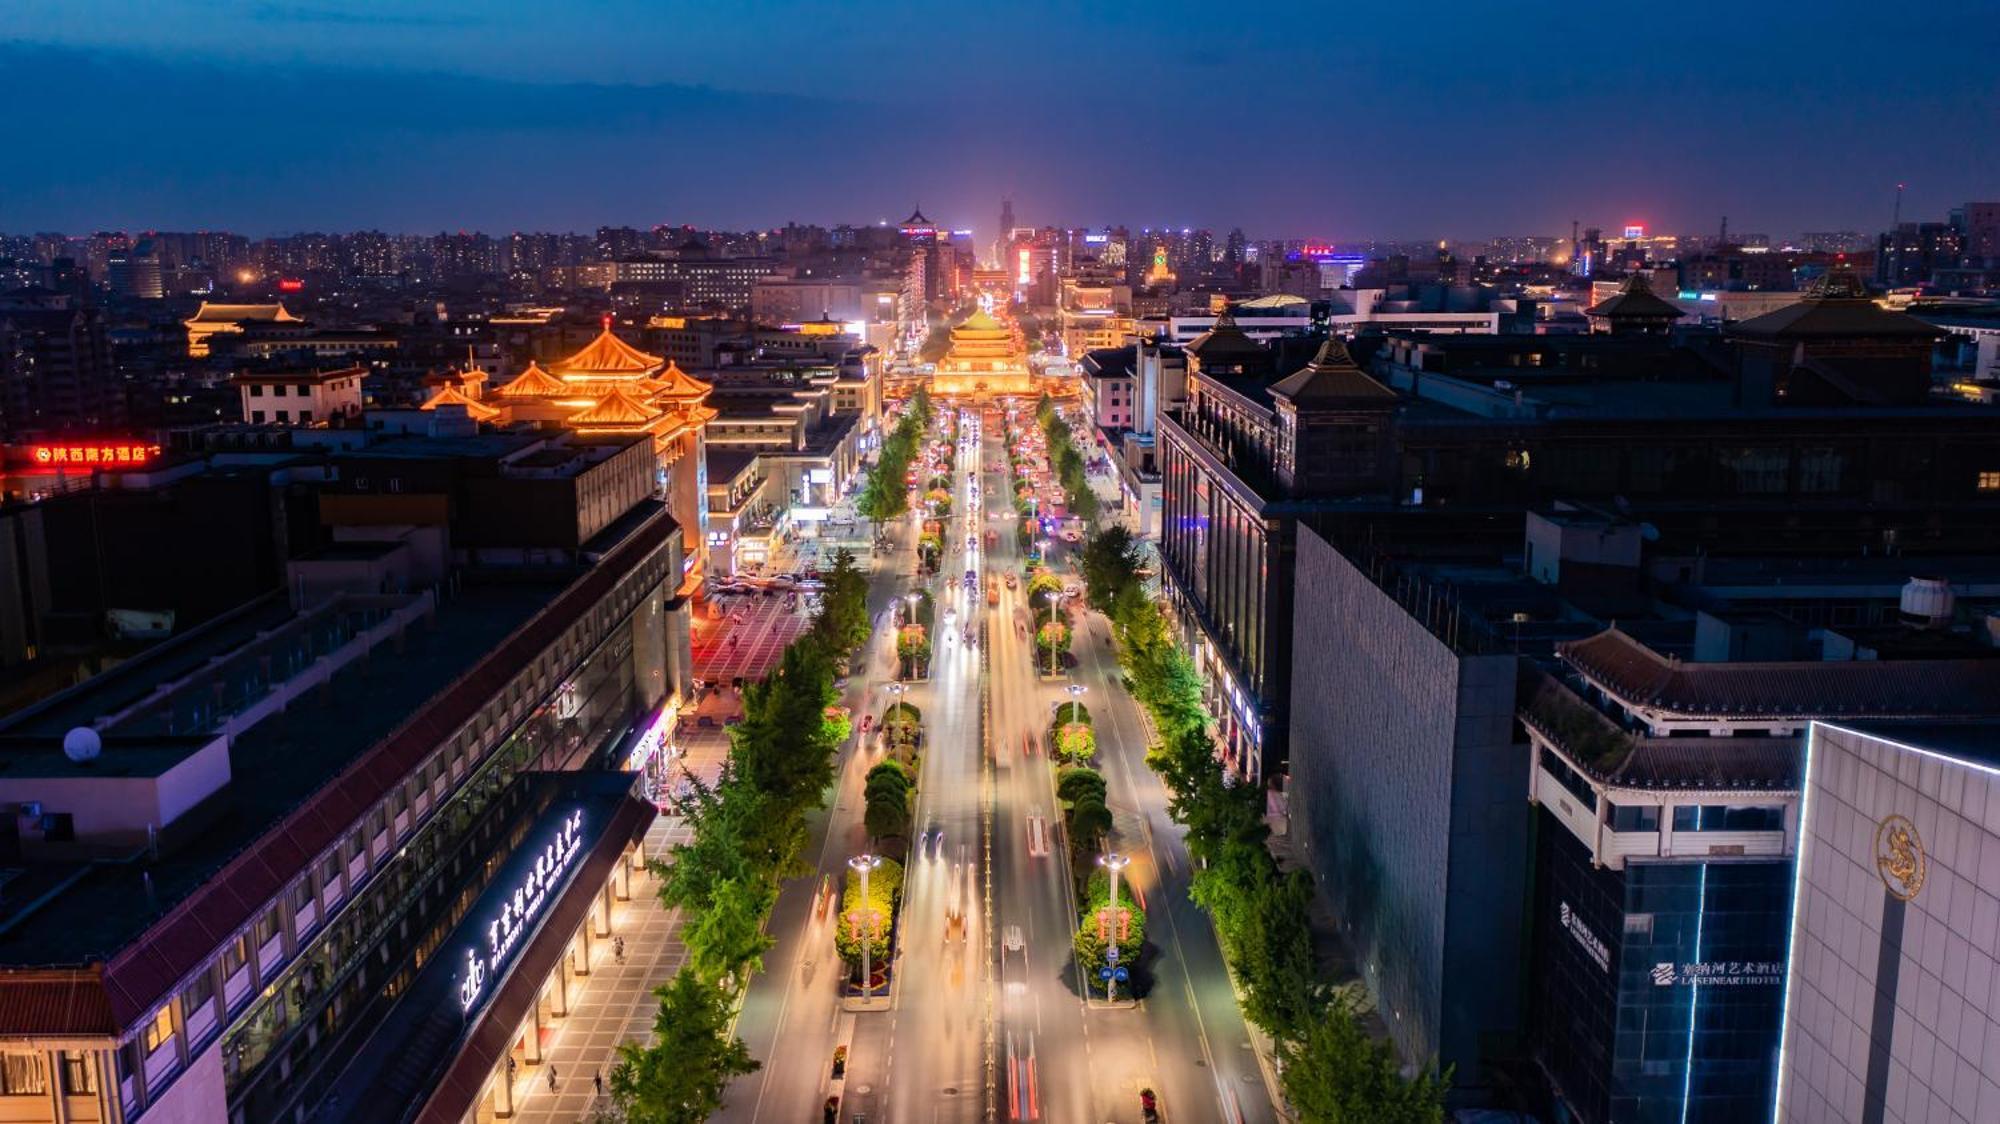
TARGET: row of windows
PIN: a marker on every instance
(26, 1075)
(1699, 817)
(457, 759)
(257, 416)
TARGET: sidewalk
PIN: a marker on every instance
(616, 1002)
(614, 1005)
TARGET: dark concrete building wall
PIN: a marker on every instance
(1409, 795)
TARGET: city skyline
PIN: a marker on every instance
(434, 116)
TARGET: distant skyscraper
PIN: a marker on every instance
(135, 271)
(1006, 231)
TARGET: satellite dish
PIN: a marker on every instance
(82, 745)
(1649, 532)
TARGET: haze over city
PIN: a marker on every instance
(1305, 119)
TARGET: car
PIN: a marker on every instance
(830, 1113)
(1012, 581)
(1149, 1106)
(706, 722)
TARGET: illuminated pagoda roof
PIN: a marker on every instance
(982, 339)
(678, 384)
(619, 408)
(237, 313)
(451, 395)
(532, 383)
(606, 357)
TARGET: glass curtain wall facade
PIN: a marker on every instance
(1658, 989)
(1220, 560)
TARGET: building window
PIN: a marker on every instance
(21, 1075)
(198, 994)
(1635, 817)
(256, 390)
(266, 927)
(159, 1031)
(257, 417)
(1989, 481)
(79, 1077)
(1729, 817)
(234, 955)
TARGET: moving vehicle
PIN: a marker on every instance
(992, 592)
(1149, 1106)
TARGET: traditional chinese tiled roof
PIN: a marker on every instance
(607, 356)
(1641, 677)
(56, 1003)
(1331, 378)
(1635, 300)
(450, 395)
(236, 313)
(1225, 338)
(677, 383)
(619, 407)
(533, 383)
(1835, 306)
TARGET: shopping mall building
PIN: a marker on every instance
(345, 852)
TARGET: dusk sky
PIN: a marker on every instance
(1464, 120)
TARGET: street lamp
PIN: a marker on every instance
(1075, 690)
(864, 863)
(1113, 862)
(1055, 598)
(910, 599)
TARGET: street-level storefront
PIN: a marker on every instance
(475, 1018)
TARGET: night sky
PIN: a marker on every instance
(1342, 120)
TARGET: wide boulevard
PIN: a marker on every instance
(987, 1020)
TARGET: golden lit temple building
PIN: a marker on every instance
(985, 360)
(611, 388)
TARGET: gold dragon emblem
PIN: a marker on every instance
(1899, 857)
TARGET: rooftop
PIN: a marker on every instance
(1800, 689)
(276, 766)
(1836, 306)
(1611, 756)
(299, 783)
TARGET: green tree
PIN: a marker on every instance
(1110, 566)
(1074, 782)
(887, 815)
(1333, 1073)
(679, 1077)
(1089, 819)
(842, 624)
(726, 941)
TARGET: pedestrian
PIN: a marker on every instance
(552, 1077)
(618, 948)
(597, 1082)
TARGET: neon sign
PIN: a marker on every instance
(520, 908)
(101, 453)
